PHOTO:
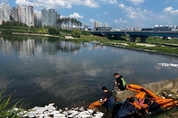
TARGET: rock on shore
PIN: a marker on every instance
(49, 111)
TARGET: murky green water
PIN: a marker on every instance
(41, 71)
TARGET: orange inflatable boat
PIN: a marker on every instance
(94, 104)
(142, 93)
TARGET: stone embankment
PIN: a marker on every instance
(49, 111)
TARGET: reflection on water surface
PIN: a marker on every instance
(42, 71)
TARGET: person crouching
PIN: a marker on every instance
(108, 100)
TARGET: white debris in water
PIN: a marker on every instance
(168, 64)
(49, 111)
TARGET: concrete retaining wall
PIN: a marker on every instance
(155, 87)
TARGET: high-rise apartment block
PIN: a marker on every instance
(21, 14)
(97, 24)
(37, 18)
(4, 12)
(28, 16)
(13, 14)
(25, 15)
(49, 17)
(105, 25)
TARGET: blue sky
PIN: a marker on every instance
(117, 13)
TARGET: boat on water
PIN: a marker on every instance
(155, 87)
(165, 93)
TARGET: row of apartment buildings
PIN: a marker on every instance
(27, 15)
(99, 24)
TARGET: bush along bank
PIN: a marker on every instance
(7, 32)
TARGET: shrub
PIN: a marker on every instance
(6, 32)
(53, 31)
(85, 33)
(76, 33)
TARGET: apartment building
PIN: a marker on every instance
(25, 15)
(49, 17)
(29, 16)
(4, 12)
(105, 24)
(37, 19)
(97, 24)
(13, 14)
(21, 11)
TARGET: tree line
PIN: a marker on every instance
(69, 23)
(13, 23)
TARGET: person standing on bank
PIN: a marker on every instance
(108, 100)
(119, 82)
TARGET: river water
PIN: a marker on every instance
(41, 71)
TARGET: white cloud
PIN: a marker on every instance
(61, 16)
(90, 3)
(57, 3)
(120, 21)
(63, 3)
(136, 2)
(142, 18)
(75, 15)
(106, 13)
(168, 9)
(171, 11)
(121, 6)
(92, 20)
(110, 1)
(135, 13)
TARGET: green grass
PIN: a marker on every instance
(161, 41)
(87, 37)
(22, 29)
(7, 106)
(132, 45)
(157, 41)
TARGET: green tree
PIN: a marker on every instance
(72, 22)
(53, 31)
(80, 24)
(59, 22)
(76, 33)
(13, 23)
(69, 22)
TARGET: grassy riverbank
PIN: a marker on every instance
(22, 29)
(152, 44)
